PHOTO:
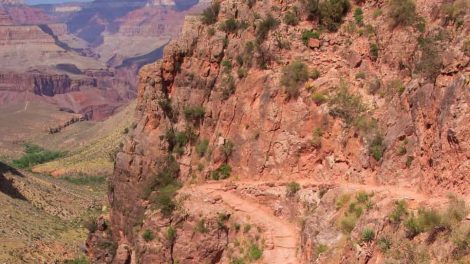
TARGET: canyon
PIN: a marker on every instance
(275, 132)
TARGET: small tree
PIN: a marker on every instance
(293, 76)
(402, 12)
(210, 14)
(292, 189)
(148, 235)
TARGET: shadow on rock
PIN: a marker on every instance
(6, 185)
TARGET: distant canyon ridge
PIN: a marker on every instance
(83, 57)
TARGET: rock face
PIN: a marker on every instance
(407, 130)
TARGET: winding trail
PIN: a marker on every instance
(281, 243)
(283, 236)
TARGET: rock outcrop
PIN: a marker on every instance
(371, 114)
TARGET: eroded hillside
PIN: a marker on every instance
(364, 103)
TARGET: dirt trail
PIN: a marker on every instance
(281, 243)
(283, 237)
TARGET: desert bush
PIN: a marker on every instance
(402, 12)
(308, 34)
(346, 105)
(348, 223)
(395, 86)
(361, 75)
(377, 147)
(342, 200)
(201, 226)
(210, 32)
(455, 212)
(368, 235)
(384, 244)
(246, 228)
(148, 235)
(319, 249)
(229, 87)
(461, 238)
(242, 72)
(293, 76)
(291, 18)
(374, 85)
(171, 235)
(362, 197)
(210, 14)
(230, 25)
(201, 147)
(221, 173)
(79, 260)
(316, 138)
(319, 98)
(315, 74)
(358, 16)
(329, 13)
(227, 66)
(374, 51)
(35, 155)
(430, 60)
(227, 148)
(267, 24)
(194, 113)
(292, 188)
(254, 253)
(413, 227)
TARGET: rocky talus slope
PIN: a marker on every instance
(364, 104)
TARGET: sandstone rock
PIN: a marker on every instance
(353, 58)
(314, 43)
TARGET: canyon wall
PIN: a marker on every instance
(362, 118)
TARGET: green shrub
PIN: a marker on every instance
(455, 212)
(227, 148)
(267, 24)
(402, 12)
(90, 225)
(377, 12)
(194, 113)
(384, 244)
(348, 223)
(229, 87)
(227, 66)
(35, 155)
(242, 72)
(409, 161)
(221, 173)
(377, 147)
(308, 34)
(171, 235)
(317, 136)
(429, 219)
(395, 86)
(230, 25)
(358, 16)
(315, 74)
(293, 76)
(331, 13)
(246, 228)
(319, 249)
(430, 61)
(355, 210)
(346, 105)
(291, 18)
(148, 235)
(342, 200)
(361, 75)
(362, 197)
(399, 212)
(210, 14)
(413, 227)
(368, 235)
(201, 226)
(201, 147)
(79, 260)
(319, 98)
(254, 252)
(164, 199)
(374, 51)
(211, 32)
(292, 189)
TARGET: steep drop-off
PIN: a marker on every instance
(260, 96)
